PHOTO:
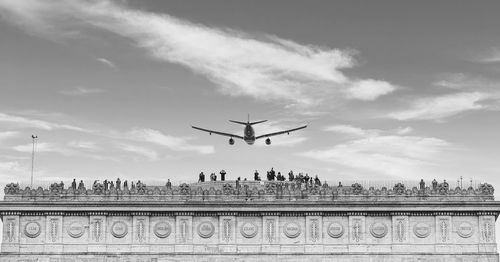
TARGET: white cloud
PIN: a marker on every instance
(294, 139)
(84, 145)
(493, 56)
(369, 89)
(437, 108)
(81, 91)
(7, 134)
(106, 62)
(150, 154)
(264, 67)
(404, 130)
(352, 130)
(44, 147)
(170, 142)
(36, 123)
(400, 156)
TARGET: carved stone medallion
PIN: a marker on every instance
(378, 229)
(465, 230)
(335, 230)
(292, 229)
(206, 229)
(119, 229)
(75, 230)
(249, 230)
(422, 230)
(32, 229)
(162, 229)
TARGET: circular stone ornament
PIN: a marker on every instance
(75, 230)
(378, 229)
(335, 230)
(206, 229)
(292, 229)
(465, 230)
(32, 229)
(162, 229)
(249, 230)
(119, 229)
(422, 230)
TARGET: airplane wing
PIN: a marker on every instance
(281, 132)
(217, 132)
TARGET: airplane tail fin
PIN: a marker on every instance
(257, 122)
(238, 122)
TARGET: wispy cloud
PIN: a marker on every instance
(149, 154)
(264, 67)
(440, 107)
(106, 62)
(352, 130)
(492, 56)
(22, 121)
(81, 91)
(391, 154)
(7, 135)
(170, 142)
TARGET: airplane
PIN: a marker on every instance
(248, 133)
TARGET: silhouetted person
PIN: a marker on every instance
(73, 184)
(111, 185)
(132, 187)
(434, 184)
(213, 177)
(169, 184)
(81, 186)
(201, 177)
(118, 184)
(290, 176)
(306, 178)
(222, 175)
(239, 178)
(340, 184)
(317, 181)
(105, 185)
(125, 185)
(256, 176)
(446, 185)
(422, 184)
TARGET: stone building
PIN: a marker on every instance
(249, 221)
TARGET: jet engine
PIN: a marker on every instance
(268, 141)
(231, 141)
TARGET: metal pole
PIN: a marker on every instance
(33, 158)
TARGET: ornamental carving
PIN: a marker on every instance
(75, 230)
(184, 189)
(399, 189)
(486, 189)
(140, 229)
(97, 230)
(206, 229)
(270, 188)
(314, 230)
(11, 225)
(54, 229)
(356, 230)
(32, 229)
(378, 229)
(465, 230)
(291, 230)
(98, 188)
(400, 233)
(11, 188)
(226, 230)
(357, 189)
(422, 230)
(249, 230)
(270, 230)
(162, 229)
(335, 230)
(227, 189)
(183, 229)
(444, 230)
(487, 232)
(119, 229)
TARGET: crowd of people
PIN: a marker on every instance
(270, 176)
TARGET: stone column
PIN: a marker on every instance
(227, 234)
(270, 234)
(53, 234)
(97, 230)
(487, 234)
(140, 237)
(10, 241)
(357, 234)
(184, 233)
(314, 238)
(400, 233)
(443, 234)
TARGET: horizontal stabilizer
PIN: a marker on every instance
(238, 122)
(258, 122)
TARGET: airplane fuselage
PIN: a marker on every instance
(249, 134)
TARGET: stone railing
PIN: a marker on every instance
(249, 191)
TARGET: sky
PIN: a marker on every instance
(390, 90)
